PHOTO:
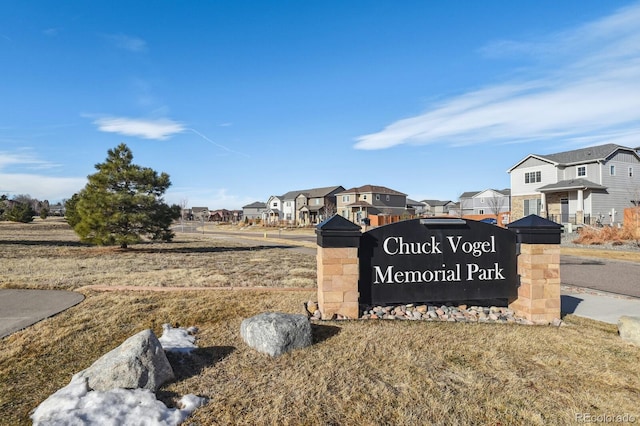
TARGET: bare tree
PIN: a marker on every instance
(496, 204)
(183, 207)
(330, 209)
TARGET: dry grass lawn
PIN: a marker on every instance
(356, 373)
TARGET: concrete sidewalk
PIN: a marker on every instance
(598, 306)
(21, 308)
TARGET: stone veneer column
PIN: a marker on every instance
(338, 267)
(538, 268)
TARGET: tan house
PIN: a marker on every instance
(359, 203)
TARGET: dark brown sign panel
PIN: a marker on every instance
(429, 260)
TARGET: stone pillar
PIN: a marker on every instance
(338, 267)
(538, 240)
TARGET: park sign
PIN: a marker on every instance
(437, 260)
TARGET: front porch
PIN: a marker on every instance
(570, 202)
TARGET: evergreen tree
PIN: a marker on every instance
(19, 212)
(122, 203)
(70, 211)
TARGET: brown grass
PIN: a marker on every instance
(47, 255)
(608, 234)
(357, 372)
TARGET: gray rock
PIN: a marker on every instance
(629, 329)
(275, 333)
(139, 362)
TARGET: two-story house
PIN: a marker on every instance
(273, 212)
(356, 204)
(317, 204)
(487, 202)
(589, 185)
(254, 210)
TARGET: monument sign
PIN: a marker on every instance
(437, 260)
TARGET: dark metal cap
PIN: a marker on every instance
(534, 229)
(338, 232)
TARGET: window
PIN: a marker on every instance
(345, 198)
(275, 204)
(532, 206)
(377, 197)
(532, 177)
(317, 201)
(612, 170)
(630, 171)
(364, 197)
(388, 198)
(481, 202)
(480, 211)
(582, 171)
(288, 203)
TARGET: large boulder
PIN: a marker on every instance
(275, 333)
(629, 329)
(139, 362)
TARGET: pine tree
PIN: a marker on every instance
(19, 212)
(122, 203)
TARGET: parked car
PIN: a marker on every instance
(490, 220)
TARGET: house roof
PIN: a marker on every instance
(571, 184)
(577, 156)
(434, 203)
(360, 204)
(411, 202)
(468, 194)
(373, 189)
(311, 193)
(256, 205)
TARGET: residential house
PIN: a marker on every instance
(273, 213)
(437, 207)
(226, 216)
(199, 213)
(589, 185)
(317, 204)
(357, 204)
(254, 210)
(488, 202)
(57, 209)
(308, 206)
(419, 207)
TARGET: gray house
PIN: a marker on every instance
(487, 202)
(589, 185)
(254, 211)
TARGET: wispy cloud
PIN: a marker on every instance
(127, 42)
(588, 92)
(24, 160)
(15, 178)
(158, 129)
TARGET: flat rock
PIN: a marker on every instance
(139, 362)
(275, 333)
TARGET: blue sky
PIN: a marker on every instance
(240, 100)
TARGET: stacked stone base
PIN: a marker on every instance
(338, 282)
